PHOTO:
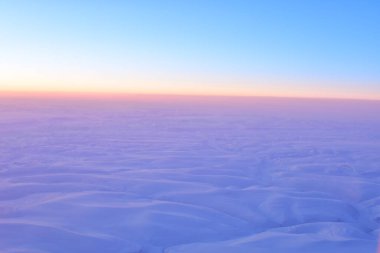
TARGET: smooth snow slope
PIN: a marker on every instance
(189, 175)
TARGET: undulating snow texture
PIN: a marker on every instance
(189, 175)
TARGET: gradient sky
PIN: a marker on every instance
(269, 47)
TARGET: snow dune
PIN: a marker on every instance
(189, 174)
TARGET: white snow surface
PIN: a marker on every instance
(188, 175)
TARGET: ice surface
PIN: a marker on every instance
(188, 175)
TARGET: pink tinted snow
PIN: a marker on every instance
(188, 174)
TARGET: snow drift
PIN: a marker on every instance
(188, 174)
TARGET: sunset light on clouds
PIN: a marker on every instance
(189, 126)
(255, 48)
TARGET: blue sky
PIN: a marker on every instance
(310, 48)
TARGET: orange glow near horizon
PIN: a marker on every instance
(270, 89)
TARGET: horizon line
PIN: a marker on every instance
(99, 94)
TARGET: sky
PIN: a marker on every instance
(301, 48)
